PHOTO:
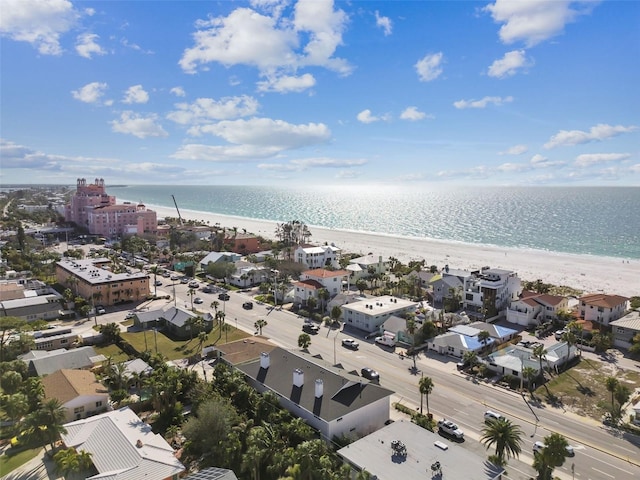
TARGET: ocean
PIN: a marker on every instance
(601, 221)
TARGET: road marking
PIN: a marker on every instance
(603, 473)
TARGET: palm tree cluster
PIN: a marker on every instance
(293, 232)
(237, 428)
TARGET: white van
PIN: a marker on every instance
(491, 416)
(386, 341)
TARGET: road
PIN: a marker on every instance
(601, 453)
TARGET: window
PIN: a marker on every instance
(98, 404)
(78, 410)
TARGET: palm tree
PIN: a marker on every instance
(15, 406)
(425, 386)
(484, 337)
(506, 436)
(304, 341)
(540, 352)
(552, 455)
(323, 295)
(191, 292)
(260, 324)
(155, 269)
(47, 422)
(611, 383)
(529, 374)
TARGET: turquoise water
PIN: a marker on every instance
(602, 221)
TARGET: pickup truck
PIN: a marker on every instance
(450, 428)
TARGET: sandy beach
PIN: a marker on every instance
(585, 272)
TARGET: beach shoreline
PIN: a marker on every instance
(591, 274)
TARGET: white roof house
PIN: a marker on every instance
(313, 256)
(123, 447)
(370, 313)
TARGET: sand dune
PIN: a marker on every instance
(585, 272)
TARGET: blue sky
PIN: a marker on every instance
(320, 92)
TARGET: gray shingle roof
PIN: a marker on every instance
(44, 363)
(342, 393)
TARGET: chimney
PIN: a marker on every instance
(264, 360)
(319, 387)
(298, 377)
(139, 443)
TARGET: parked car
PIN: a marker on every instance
(247, 305)
(370, 374)
(539, 446)
(491, 416)
(185, 280)
(559, 333)
(350, 343)
(174, 278)
(197, 300)
(193, 284)
(100, 310)
(129, 315)
(224, 297)
(158, 283)
(450, 428)
(166, 274)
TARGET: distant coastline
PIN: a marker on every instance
(593, 221)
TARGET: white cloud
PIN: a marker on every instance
(412, 113)
(38, 22)
(509, 64)
(429, 67)
(287, 83)
(142, 127)
(480, 171)
(135, 94)
(227, 153)
(588, 159)
(178, 92)
(482, 103)
(597, 133)
(515, 150)
(540, 161)
(267, 133)
(204, 110)
(90, 93)
(86, 45)
(513, 167)
(384, 23)
(534, 21)
(268, 43)
(365, 116)
(327, 163)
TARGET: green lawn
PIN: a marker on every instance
(582, 388)
(9, 462)
(178, 348)
(112, 351)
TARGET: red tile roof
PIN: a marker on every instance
(602, 300)
(323, 273)
(312, 284)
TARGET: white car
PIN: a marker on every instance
(450, 428)
(491, 416)
(350, 343)
(193, 284)
(540, 446)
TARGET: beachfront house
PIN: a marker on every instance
(625, 328)
(532, 308)
(490, 292)
(364, 267)
(370, 313)
(248, 274)
(601, 308)
(313, 256)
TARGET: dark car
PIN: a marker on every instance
(224, 297)
(247, 305)
(370, 374)
(310, 328)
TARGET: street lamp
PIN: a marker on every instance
(275, 286)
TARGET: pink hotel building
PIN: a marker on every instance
(93, 209)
